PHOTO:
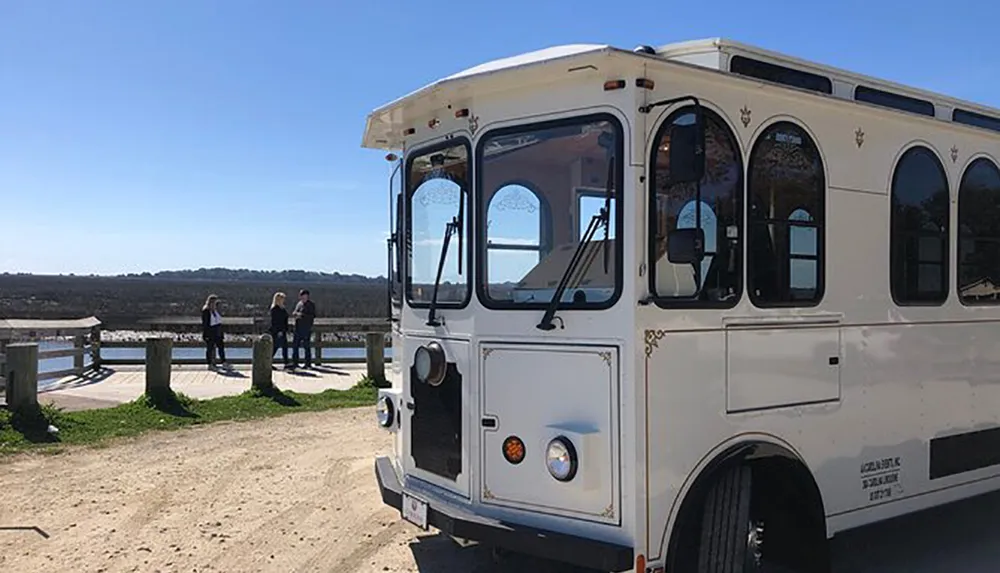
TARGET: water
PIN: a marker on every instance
(139, 353)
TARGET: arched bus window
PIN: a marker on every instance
(979, 234)
(786, 186)
(918, 222)
(716, 281)
(437, 187)
(518, 230)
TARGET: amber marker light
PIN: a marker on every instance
(513, 450)
(464, 112)
(614, 85)
(645, 83)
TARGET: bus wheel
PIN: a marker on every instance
(731, 535)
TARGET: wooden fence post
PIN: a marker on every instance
(318, 347)
(21, 372)
(158, 355)
(263, 353)
(78, 359)
(375, 355)
(95, 347)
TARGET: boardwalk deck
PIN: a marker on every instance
(111, 386)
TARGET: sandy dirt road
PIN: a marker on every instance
(297, 494)
(290, 494)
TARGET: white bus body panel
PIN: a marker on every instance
(540, 392)
(906, 374)
(856, 386)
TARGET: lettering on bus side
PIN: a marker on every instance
(880, 478)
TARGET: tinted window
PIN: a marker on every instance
(894, 101)
(437, 187)
(975, 119)
(717, 280)
(780, 74)
(979, 234)
(786, 190)
(918, 264)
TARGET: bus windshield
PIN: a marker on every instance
(540, 187)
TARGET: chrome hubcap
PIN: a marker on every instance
(755, 541)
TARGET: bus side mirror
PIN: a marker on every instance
(685, 246)
(687, 154)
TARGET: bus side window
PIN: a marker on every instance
(786, 186)
(714, 205)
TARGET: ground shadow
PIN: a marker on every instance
(170, 403)
(230, 373)
(277, 396)
(34, 528)
(86, 379)
(330, 370)
(33, 426)
(302, 373)
(438, 553)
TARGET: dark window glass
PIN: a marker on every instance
(918, 244)
(437, 188)
(894, 101)
(975, 119)
(780, 74)
(531, 179)
(395, 274)
(786, 189)
(717, 280)
(979, 234)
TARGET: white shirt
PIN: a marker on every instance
(215, 318)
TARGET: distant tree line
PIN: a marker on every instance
(182, 293)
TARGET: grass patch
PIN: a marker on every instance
(164, 412)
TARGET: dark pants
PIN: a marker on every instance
(281, 341)
(213, 341)
(302, 337)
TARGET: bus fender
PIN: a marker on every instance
(735, 451)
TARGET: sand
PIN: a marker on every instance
(290, 494)
(297, 494)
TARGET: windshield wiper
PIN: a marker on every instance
(449, 229)
(603, 217)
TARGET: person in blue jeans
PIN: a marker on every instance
(279, 325)
(304, 313)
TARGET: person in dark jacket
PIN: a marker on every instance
(304, 313)
(211, 332)
(279, 325)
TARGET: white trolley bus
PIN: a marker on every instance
(687, 309)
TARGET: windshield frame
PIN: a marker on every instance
(480, 209)
(457, 139)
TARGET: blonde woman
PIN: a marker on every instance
(279, 325)
(211, 326)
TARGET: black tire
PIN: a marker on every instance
(725, 525)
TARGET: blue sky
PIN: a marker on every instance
(168, 134)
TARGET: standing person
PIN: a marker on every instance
(305, 312)
(211, 326)
(279, 325)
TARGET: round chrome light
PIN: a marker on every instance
(429, 364)
(560, 458)
(386, 411)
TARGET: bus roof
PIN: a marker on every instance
(385, 124)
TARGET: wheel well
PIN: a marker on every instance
(781, 482)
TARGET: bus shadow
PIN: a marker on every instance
(438, 553)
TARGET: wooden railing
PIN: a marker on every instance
(89, 339)
(85, 333)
